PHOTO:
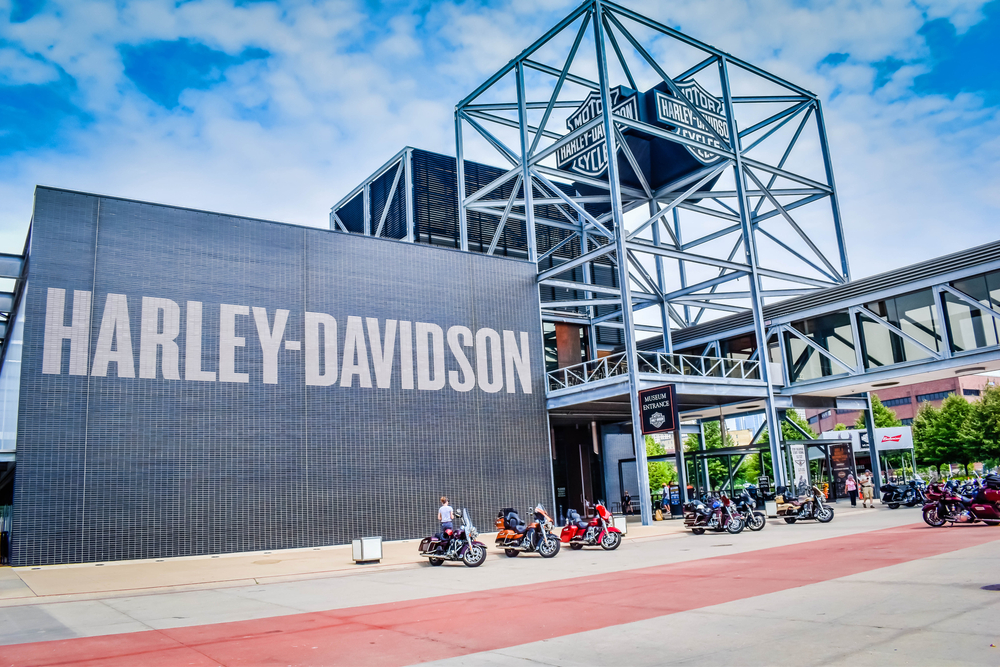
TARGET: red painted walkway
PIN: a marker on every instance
(454, 625)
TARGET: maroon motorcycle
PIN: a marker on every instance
(945, 505)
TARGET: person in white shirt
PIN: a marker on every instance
(445, 515)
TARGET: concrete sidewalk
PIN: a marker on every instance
(78, 581)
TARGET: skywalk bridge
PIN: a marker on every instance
(930, 320)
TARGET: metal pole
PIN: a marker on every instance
(872, 445)
(681, 465)
(750, 247)
(463, 225)
(705, 480)
(668, 343)
(410, 213)
(834, 202)
(682, 271)
(646, 509)
(529, 209)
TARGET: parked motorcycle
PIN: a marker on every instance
(579, 533)
(813, 506)
(455, 544)
(515, 535)
(945, 505)
(718, 515)
(747, 507)
(895, 495)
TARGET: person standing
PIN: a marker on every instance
(867, 490)
(851, 486)
(626, 503)
(446, 515)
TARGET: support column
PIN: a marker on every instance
(681, 465)
(750, 247)
(668, 343)
(873, 446)
(645, 505)
(704, 461)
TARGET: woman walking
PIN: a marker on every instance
(851, 486)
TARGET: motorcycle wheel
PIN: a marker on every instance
(511, 553)
(575, 546)
(790, 519)
(435, 561)
(932, 519)
(825, 515)
(756, 521)
(611, 541)
(734, 526)
(698, 531)
(549, 547)
(474, 556)
(894, 506)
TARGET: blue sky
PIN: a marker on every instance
(276, 110)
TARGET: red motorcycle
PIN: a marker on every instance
(579, 533)
(947, 506)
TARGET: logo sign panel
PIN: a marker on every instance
(898, 437)
(588, 154)
(659, 409)
(672, 111)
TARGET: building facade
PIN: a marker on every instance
(905, 400)
(194, 383)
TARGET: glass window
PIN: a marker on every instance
(892, 402)
(968, 326)
(907, 422)
(971, 392)
(913, 314)
(936, 396)
(741, 347)
(832, 333)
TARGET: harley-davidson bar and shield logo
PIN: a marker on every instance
(671, 111)
(588, 154)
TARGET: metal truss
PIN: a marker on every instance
(11, 268)
(749, 214)
(400, 170)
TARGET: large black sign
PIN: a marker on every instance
(842, 465)
(659, 409)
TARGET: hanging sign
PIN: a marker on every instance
(800, 467)
(588, 154)
(659, 409)
(842, 465)
(675, 112)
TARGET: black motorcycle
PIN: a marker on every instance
(895, 495)
(455, 544)
(746, 506)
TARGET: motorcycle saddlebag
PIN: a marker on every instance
(425, 545)
(992, 495)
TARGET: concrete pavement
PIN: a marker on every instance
(117, 614)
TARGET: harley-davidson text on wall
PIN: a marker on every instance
(358, 351)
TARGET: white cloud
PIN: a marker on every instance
(343, 91)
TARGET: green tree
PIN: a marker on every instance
(839, 427)
(925, 444)
(986, 420)
(660, 472)
(882, 416)
(717, 474)
(789, 432)
(947, 435)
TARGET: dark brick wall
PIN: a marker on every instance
(117, 468)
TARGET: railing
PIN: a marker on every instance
(660, 363)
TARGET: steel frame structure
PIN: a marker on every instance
(513, 117)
